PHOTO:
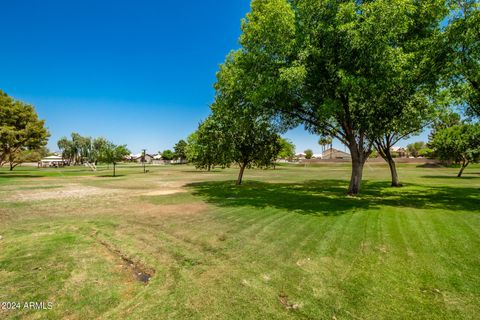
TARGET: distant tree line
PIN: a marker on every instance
(80, 149)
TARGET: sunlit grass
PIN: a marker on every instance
(287, 244)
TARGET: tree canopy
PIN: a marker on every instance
(112, 153)
(180, 150)
(415, 147)
(204, 147)
(81, 149)
(460, 143)
(287, 149)
(168, 154)
(328, 64)
(463, 73)
(308, 154)
(20, 130)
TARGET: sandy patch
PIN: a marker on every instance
(163, 192)
(65, 192)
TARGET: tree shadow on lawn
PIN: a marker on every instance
(10, 175)
(466, 176)
(110, 176)
(328, 197)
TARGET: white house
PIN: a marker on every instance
(51, 161)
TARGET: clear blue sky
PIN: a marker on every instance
(137, 72)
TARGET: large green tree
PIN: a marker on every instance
(414, 114)
(460, 143)
(326, 64)
(246, 139)
(203, 147)
(463, 39)
(20, 130)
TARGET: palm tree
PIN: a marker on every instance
(324, 142)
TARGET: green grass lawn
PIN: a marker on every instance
(287, 244)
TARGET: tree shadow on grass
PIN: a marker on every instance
(466, 176)
(110, 176)
(10, 175)
(328, 197)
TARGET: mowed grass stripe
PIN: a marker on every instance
(407, 253)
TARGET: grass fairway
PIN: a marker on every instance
(288, 244)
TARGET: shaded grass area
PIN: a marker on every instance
(286, 245)
(328, 196)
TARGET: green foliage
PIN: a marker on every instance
(204, 149)
(462, 36)
(308, 154)
(342, 68)
(168, 154)
(246, 137)
(112, 153)
(374, 154)
(325, 142)
(180, 150)
(460, 143)
(425, 153)
(241, 137)
(414, 148)
(287, 149)
(20, 130)
(23, 156)
(445, 120)
(81, 149)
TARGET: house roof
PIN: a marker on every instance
(331, 150)
(397, 149)
(52, 158)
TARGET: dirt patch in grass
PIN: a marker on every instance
(141, 272)
(283, 299)
(65, 192)
(163, 192)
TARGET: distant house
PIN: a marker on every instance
(300, 156)
(157, 159)
(333, 153)
(52, 161)
(317, 156)
(139, 158)
(399, 152)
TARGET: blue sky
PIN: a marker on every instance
(140, 72)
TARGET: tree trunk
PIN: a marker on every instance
(464, 165)
(393, 172)
(114, 169)
(356, 178)
(387, 156)
(11, 166)
(209, 168)
(240, 174)
(359, 156)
